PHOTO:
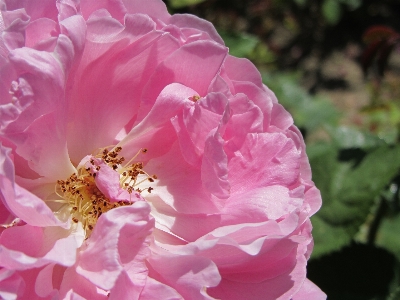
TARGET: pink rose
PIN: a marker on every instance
(139, 160)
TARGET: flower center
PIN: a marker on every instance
(83, 198)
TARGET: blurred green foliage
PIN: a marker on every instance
(309, 112)
(239, 44)
(183, 3)
(332, 9)
(388, 235)
(349, 191)
(246, 45)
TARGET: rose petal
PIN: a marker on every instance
(214, 167)
(309, 291)
(46, 9)
(11, 284)
(195, 123)
(43, 246)
(77, 287)
(257, 205)
(241, 69)
(190, 276)
(153, 8)
(50, 158)
(100, 261)
(125, 289)
(20, 202)
(191, 21)
(115, 7)
(44, 282)
(39, 31)
(264, 159)
(153, 289)
(261, 98)
(107, 180)
(103, 94)
(169, 103)
(201, 58)
(179, 184)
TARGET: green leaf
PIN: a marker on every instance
(394, 287)
(352, 4)
(348, 137)
(348, 192)
(374, 173)
(183, 3)
(301, 3)
(395, 295)
(328, 238)
(239, 44)
(331, 11)
(308, 112)
(388, 236)
(261, 54)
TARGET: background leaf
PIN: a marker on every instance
(389, 236)
(183, 3)
(308, 112)
(331, 10)
(239, 44)
(348, 192)
(348, 137)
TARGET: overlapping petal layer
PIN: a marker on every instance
(139, 160)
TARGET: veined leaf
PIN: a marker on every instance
(348, 192)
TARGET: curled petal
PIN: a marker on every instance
(191, 21)
(195, 123)
(198, 59)
(241, 69)
(214, 167)
(115, 7)
(107, 180)
(153, 8)
(100, 260)
(46, 9)
(40, 33)
(168, 104)
(266, 259)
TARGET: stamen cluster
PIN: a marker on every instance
(86, 202)
(131, 174)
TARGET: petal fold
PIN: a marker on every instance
(100, 260)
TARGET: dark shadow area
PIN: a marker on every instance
(357, 272)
